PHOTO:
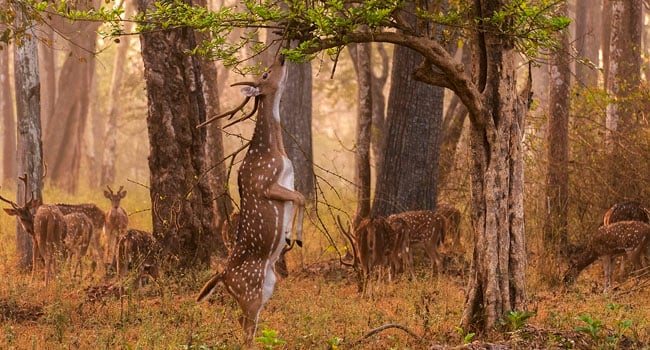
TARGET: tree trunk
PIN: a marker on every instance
(622, 83)
(295, 109)
(217, 176)
(497, 276)
(180, 195)
(588, 40)
(109, 156)
(29, 148)
(8, 122)
(408, 177)
(64, 141)
(363, 67)
(47, 72)
(557, 175)
(378, 134)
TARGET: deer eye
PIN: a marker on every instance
(265, 75)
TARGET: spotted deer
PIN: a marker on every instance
(626, 211)
(116, 222)
(623, 237)
(380, 244)
(229, 235)
(97, 217)
(138, 253)
(79, 235)
(269, 204)
(452, 218)
(425, 229)
(47, 228)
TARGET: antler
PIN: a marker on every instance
(109, 189)
(13, 204)
(230, 113)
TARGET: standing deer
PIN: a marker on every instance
(79, 235)
(627, 211)
(97, 218)
(380, 244)
(623, 237)
(47, 228)
(269, 204)
(426, 229)
(116, 223)
(452, 220)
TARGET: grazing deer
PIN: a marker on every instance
(48, 231)
(382, 244)
(623, 237)
(452, 218)
(425, 229)
(139, 252)
(79, 235)
(116, 222)
(626, 211)
(98, 219)
(269, 204)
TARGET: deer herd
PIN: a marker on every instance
(271, 211)
(61, 231)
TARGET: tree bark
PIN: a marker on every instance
(557, 176)
(29, 149)
(8, 122)
(587, 42)
(622, 82)
(408, 177)
(180, 195)
(363, 69)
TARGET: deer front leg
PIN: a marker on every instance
(281, 193)
(607, 270)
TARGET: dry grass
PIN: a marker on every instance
(317, 307)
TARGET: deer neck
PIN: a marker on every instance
(268, 131)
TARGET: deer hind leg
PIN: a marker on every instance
(607, 270)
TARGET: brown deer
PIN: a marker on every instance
(79, 235)
(626, 211)
(47, 228)
(425, 229)
(229, 235)
(269, 204)
(623, 237)
(139, 252)
(452, 218)
(380, 244)
(97, 217)
(116, 222)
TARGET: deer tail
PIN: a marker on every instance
(210, 286)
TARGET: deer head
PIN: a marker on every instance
(626, 211)
(115, 197)
(24, 213)
(269, 204)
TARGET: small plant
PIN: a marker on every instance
(516, 320)
(334, 343)
(465, 337)
(593, 326)
(269, 339)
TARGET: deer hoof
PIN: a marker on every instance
(288, 241)
(299, 243)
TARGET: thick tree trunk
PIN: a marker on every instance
(408, 177)
(8, 122)
(29, 149)
(180, 195)
(497, 277)
(295, 109)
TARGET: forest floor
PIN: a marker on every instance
(317, 307)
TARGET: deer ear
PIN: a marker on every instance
(11, 211)
(34, 203)
(123, 194)
(250, 91)
(106, 194)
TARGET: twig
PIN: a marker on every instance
(385, 327)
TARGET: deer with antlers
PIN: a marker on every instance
(46, 225)
(269, 204)
(116, 222)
